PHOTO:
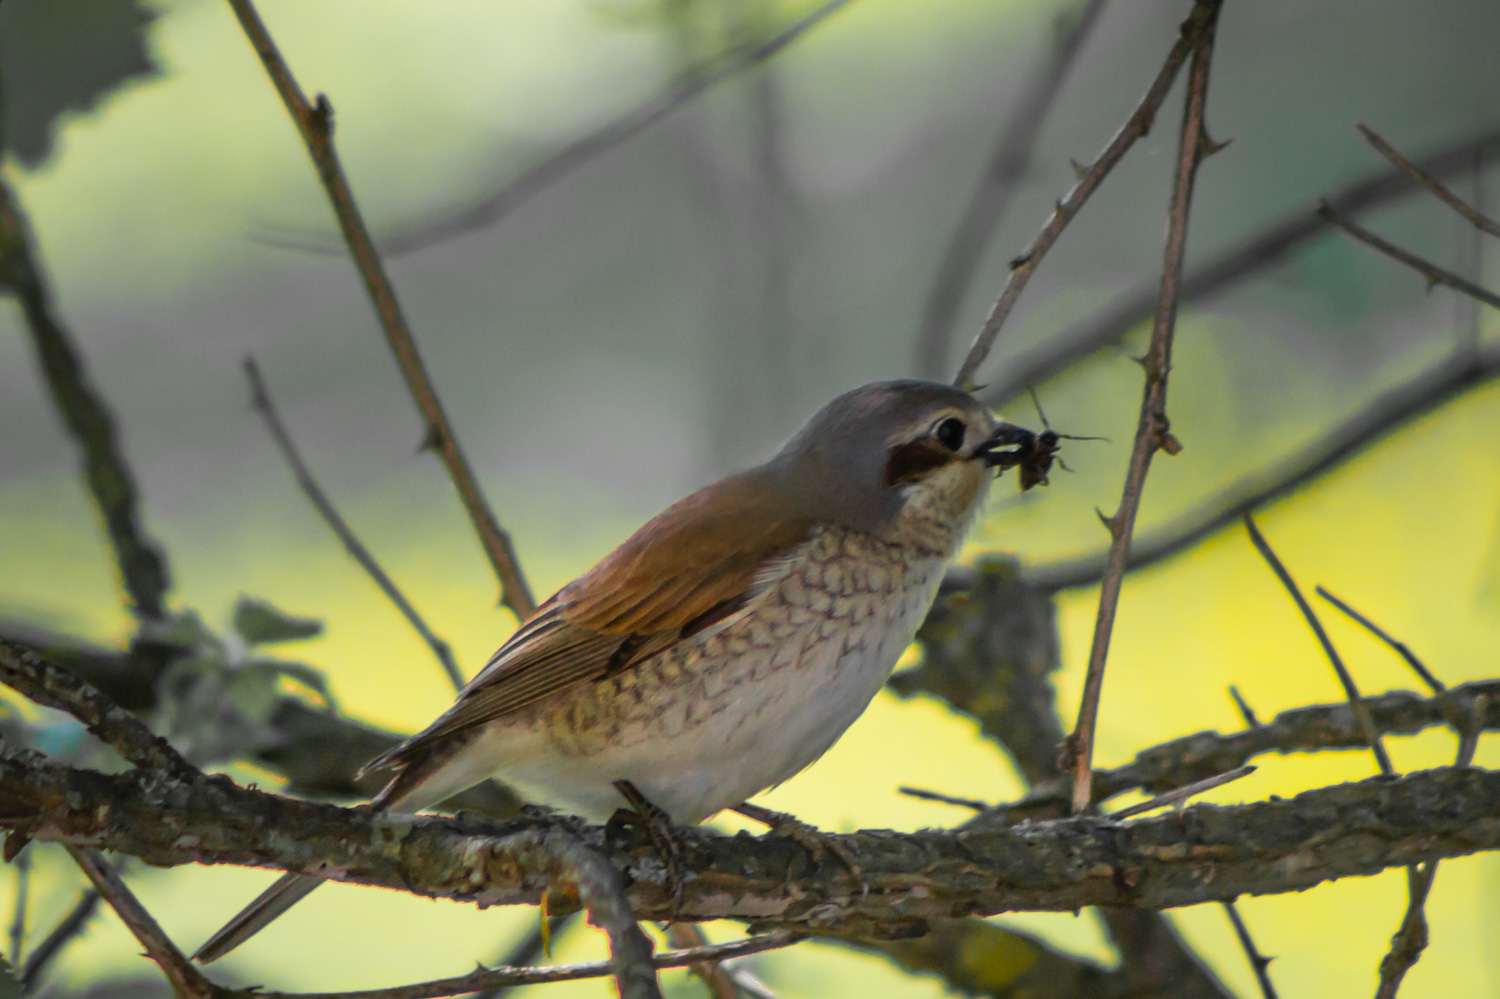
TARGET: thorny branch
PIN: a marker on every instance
(1008, 163)
(1090, 178)
(1384, 148)
(1152, 428)
(143, 567)
(260, 400)
(1270, 246)
(315, 123)
(1259, 963)
(1435, 275)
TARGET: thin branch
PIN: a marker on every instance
(143, 567)
(1400, 648)
(1267, 248)
(39, 680)
(1002, 176)
(1427, 180)
(525, 952)
(1246, 712)
(922, 794)
(499, 978)
(1181, 794)
(1392, 409)
(1435, 275)
(187, 981)
(1361, 711)
(1138, 124)
(260, 400)
(713, 975)
(909, 879)
(1152, 428)
(1258, 961)
(17, 957)
(315, 123)
(62, 934)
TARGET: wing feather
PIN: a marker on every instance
(693, 565)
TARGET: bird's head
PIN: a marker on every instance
(896, 457)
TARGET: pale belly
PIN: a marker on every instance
(715, 720)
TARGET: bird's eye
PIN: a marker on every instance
(950, 433)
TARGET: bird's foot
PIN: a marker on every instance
(657, 825)
(817, 842)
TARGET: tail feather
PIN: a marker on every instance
(281, 896)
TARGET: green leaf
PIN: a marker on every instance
(259, 623)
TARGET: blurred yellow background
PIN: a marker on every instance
(597, 351)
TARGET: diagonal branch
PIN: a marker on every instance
(32, 675)
(1258, 961)
(142, 564)
(260, 400)
(1270, 246)
(315, 123)
(1435, 275)
(601, 140)
(62, 934)
(1007, 166)
(1152, 428)
(1351, 691)
(1137, 125)
(1378, 142)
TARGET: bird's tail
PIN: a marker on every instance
(281, 896)
(423, 781)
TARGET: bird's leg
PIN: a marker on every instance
(816, 842)
(657, 825)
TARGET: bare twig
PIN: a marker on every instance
(1183, 793)
(1400, 648)
(260, 400)
(50, 685)
(1258, 961)
(1262, 250)
(1361, 711)
(62, 934)
(712, 974)
(1246, 712)
(1007, 166)
(612, 133)
(497, 978)
(142, 565)
(16, 957)
(1434, 274)
(525, 952)
(1427, 180)
(1090, 178)
(187, 981)
(946, 799)
(1394, 408)
(1152, 428)
(315, 123)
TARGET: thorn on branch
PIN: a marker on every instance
(1244, 708)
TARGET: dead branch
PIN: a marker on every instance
(1384, 148)
(1346, 680)
(1181, 794)
(1153, 431)
(1265, 249)
(1007, 166)
(315, 124)
(1392, 409)
(1137, 125)
(260, 401)
(143, 566)
(1259, 963)
(1435, 275)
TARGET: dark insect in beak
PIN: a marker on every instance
(1031, 453)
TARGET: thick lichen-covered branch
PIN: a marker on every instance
(1201, 854)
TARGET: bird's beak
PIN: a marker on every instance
(1006, 435)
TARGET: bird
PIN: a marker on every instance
(727, 643)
